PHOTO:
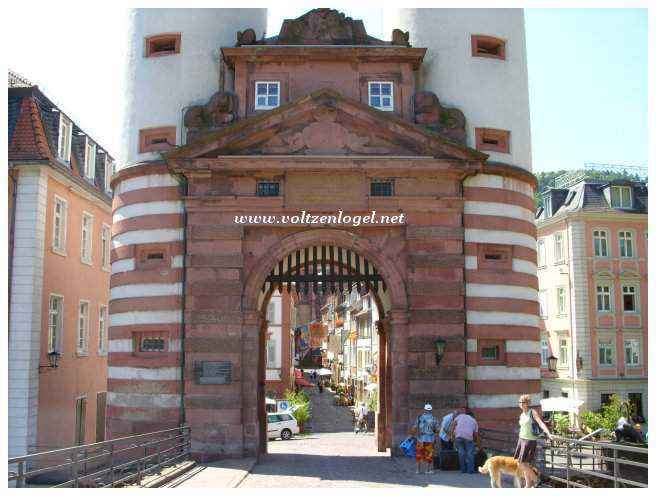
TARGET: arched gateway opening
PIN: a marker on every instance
(320, 267)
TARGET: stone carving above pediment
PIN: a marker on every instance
(220, 111)
(322, 27)
(448, 122)
(323, 136)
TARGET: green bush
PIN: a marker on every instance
(372, 402)
(608, 416)
(561, 424)
(302, 415)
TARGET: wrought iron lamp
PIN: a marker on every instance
(440, 346)
(553, 362)
(579, 362)
(53, 358)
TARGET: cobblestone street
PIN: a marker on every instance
(331, 455)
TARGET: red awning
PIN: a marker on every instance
(300, 381)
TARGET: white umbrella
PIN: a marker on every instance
(371, 386)
(324, 372)
(269, 401)
(560, 404)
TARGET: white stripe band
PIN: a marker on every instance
(145, 290)
(147, 236)
(499, 210)
(499, 372)
(123, 265)
(148, 208)
(139, 318)
(499, 182)
(500, 237)
(150, 374)
(522, 346)
(498, 400)
(502, 318)
(120, 345)
(500, 291)
(137, 400)
(471, 262)
(145, 182)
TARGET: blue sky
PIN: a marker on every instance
(587, 75)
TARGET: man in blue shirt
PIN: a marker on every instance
(425, 428)
(445, 428)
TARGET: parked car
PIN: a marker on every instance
(281, 425)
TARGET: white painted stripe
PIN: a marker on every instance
(498, 400)
(145, 290)
(500, 237)
(519, 265)
(138, 400)
(502, 318)
(123, 265)
(498, 209)
(472, 345)
(147, 208)
(499, 182)
(500, 372)
(471, 262)
(120, 345)
(145, 182)
(177, 262)
(151, 317)
(149, 236)
(522, 346)
(174, 345)
(500, 291)
(150, 374)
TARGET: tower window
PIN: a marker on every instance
(382, 188)
(494, 140)
(156, 139)
(163, 44)
(267, 95)
(381, 95)
(268, 189)
(488, 46)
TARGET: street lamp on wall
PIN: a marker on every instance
(53, 357)
(440, 346)
(553, 362)
(579, 363)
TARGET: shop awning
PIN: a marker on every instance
(560, 404)
(372, 386)
(300, 381)
(324, 372)
(269, 401)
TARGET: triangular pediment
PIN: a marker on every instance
(325, 123)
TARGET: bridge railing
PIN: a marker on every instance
(110, 463)
(568, 462)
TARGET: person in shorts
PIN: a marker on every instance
(425, 428)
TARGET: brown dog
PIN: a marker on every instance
(497, 465)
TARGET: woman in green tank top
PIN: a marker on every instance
(525, 451)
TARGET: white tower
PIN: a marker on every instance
(160, 85)
(491, 91)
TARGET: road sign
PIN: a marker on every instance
(283, 405)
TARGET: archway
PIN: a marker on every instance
(328, 261)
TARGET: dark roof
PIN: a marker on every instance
(591, 196)
(33, 135)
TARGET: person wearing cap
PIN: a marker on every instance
(425, 428)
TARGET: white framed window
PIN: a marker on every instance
(632, 354)
(606, 352)
(547, 207)
(603, 298)
(109, 171)
(563, 352)
(544, 305)
(271, 353)
(562, 300)
(544, 353)
(87, 230)
(89, 159)
(102, 329)
(620, 196)
(542, 254)
(600, 242)
(65, 137)
(559, 247)
(626, 244)
(381, 95)
(83, 328)
(629, 298)
(105, 243)
(55, 322)
(267, 95)
(59, 220)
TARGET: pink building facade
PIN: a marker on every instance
(592, 268)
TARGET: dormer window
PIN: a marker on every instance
(620, 196)
(267, 95)
(163, 44)
(89, 159)
(381, 95)
(547, 207)
(488, 46)
(65, 136)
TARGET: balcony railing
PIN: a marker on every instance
(117, 462)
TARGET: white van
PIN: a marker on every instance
(282, 425)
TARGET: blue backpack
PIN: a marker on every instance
(409, 447)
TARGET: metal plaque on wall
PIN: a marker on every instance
(213, 372)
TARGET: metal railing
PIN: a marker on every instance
(111, 463)
(567, 462)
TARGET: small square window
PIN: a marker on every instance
(156, 139)
(494, 257)
(488, 46)
(491, 351)
(270, 188)
(163, 44)
(493, 140)
(267, 95)
(151, 343)
(382, 188)
(381, 95)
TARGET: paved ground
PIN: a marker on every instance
(333, 456)
(226, 473)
